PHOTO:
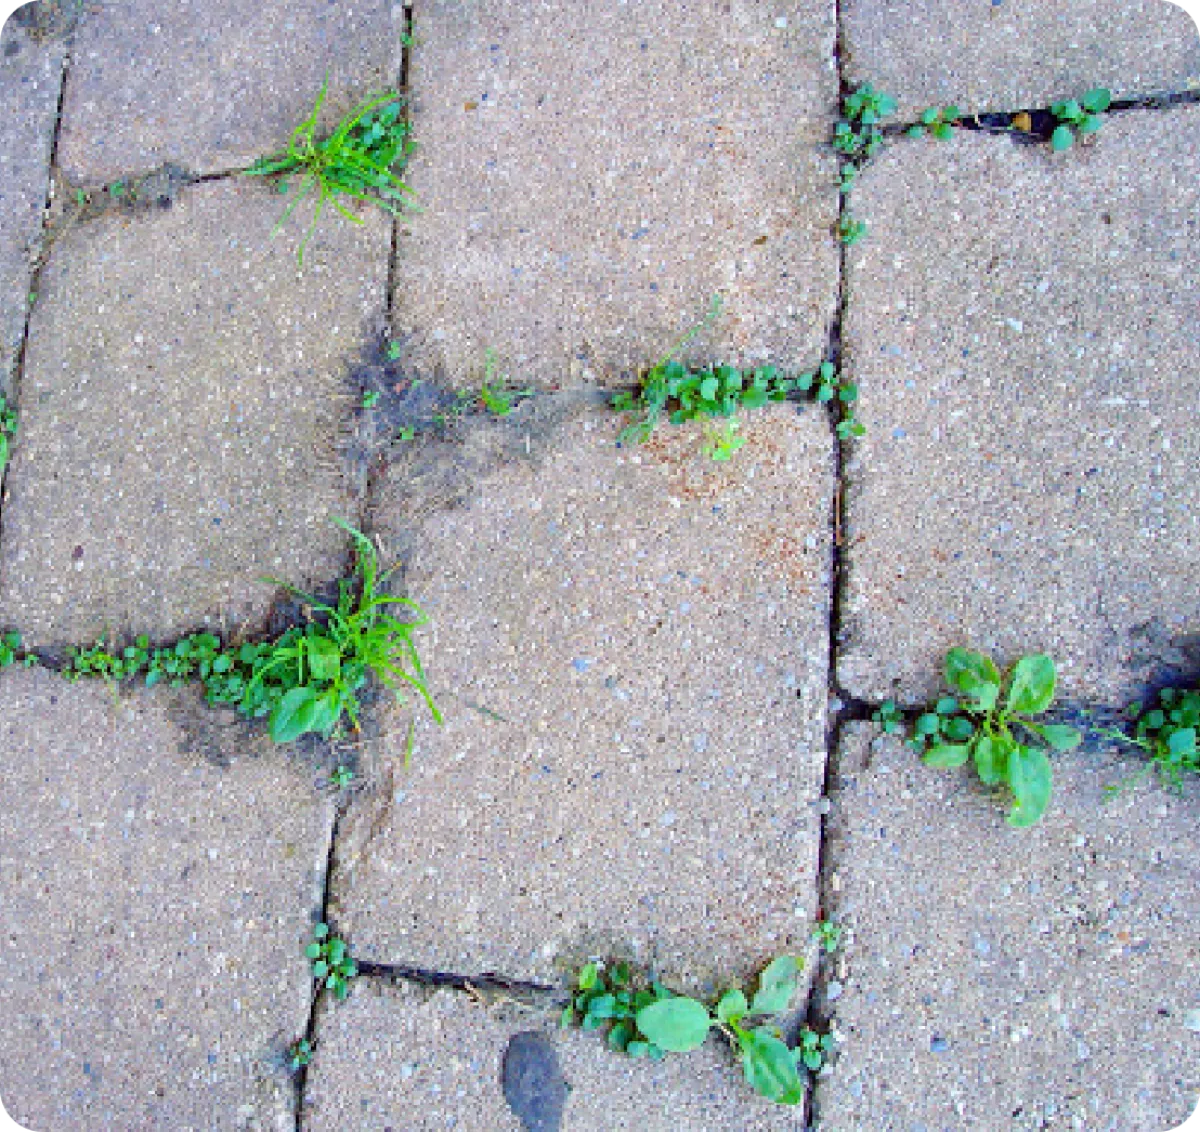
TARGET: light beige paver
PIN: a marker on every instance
(400, 1059)
(630, 650)
(213, 84)
(1017, 54)
(1016, 979)
(155, 907)
(180, 411)
(30, 78)
(1022, 329)
(593, 173)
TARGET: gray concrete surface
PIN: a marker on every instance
(593, 173)
(1017, 54)
(30, 79)
(1017, 979)
(155, 906)
(409, 1060)
(1022, 329)
(629, 647)
(214, 84)
(183, 394)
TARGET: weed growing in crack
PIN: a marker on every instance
(332, 965)
(889, 717)
(936, 121)
(814, 1048)
(341, 777)
(849, 230)
(1078, 117)
(827, 935)
(858, 135)
(979, 726)
(358, 160)
(10, 647)
(645, 1019)
(300, 1053)
(8, 431)
(1168, 733)
(493, 395)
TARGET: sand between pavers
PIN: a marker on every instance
(630, 649)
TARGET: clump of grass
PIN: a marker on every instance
(8, 430)
(360, 159)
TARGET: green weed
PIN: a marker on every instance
(1167, 733)
(8, 431)
(1080, 117)
(724, 442)
(341, 777)
(370, 399)
(828, 935)
(358, 160)
(889, 716)
(979, 726)
(10, 647)
(849, 230)
(300, 1054)
(494, 396)
(645, 1019)
(939, 122)
(858, 135)
(331, 962)
(815, 1048)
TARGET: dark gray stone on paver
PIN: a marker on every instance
(1017, 979)
(404, 1059)
(183, 393)
(593, 173)
(30, 78)
(533, 1082)
(214, 84)
(630, 650)
(1022, 328)
(155, 908)
(1017, 54)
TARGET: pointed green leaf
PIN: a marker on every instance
(975, 675)
(1059, 736)
(1061, 139)
(776, 985)
(1029, 777)
(293, 716)
(770, 1067)
(732, 1006)
(1032, 687)
(991, 759)
(1098, 100)
(676, 1025)
(947, 755)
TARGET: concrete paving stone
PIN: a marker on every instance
(181, 402)
(1017, 54)
(1022, 329)
(212, 85)
(155, 907)
(400, 1058)
(1011, 979)
(630, 649)
(593, 173)
(30, 78)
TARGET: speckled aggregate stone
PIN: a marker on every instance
(629, 646)
(155, 905)
(1022, 328)
(30, 78)
(397, 1058)
(1017, 979)
(179, 417)
(1017, 54)
(592, 173)
(214, 84)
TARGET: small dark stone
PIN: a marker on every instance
(533, 1082)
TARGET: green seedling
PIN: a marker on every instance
(8, 431)
(889, 716)
(10, 647)
(939, 122)
(359, 160)
(827, 935)
(98, 662)
(300, 1053)
(116, 190)
(849, 230)
(858, 135)
(978, 724)
(407, 432)
(645, 1019)
(847, 175)
(332, 966)
(394, 350)
(815, 1048)
(723, 442)
(341, 777)
(1167, 733)
(370, 399)
(1080, 118)
(498, 400)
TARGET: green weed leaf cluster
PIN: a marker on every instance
(10, 647)
(978, 725)
(1078, 117)
(359, 160)
(8, 431)
(306, 680)
(1168, 733)
(645, 1019)
(859, 135)
(938, 121)
(300, 1053)
(332, 966)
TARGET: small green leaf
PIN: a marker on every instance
(320, 969)
(1059, 736)
(709, 387)
(975, 675)
(566, 1018)
(602, 1006)
(320, 931)
(770, 1067)
(1182, 742)
(1032, 687)
(587, 976)
(1090, 124)
(1061, 139)
(732, 1006)
(1029, 776)
(947, 755)
(776, 985)
(991, 759)
(959, 729)
(638, 1049)
(293, 716)
(928, 724)
(676, 1025)
(618, 1037)
(754, 398)
(1097, 100)
(313, 951)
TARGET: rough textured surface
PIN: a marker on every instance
(155, 905)
(1022, 329)
(391, 1058)
(1031, 979)
(629, 648)
(180, 407)
(1017, 54)
(593, 173)
(214, 84)
(30, 78)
